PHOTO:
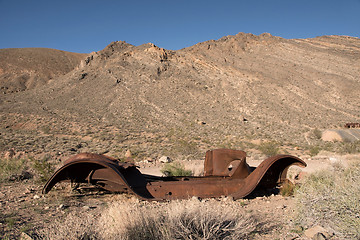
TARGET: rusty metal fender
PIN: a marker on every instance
(268, 174)
(102, 171)
(220, 179)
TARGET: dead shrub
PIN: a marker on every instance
(185, 219)
(73, 227)
(188, 219)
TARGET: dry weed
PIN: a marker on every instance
(185, 219)
(73, 227)
(331, 199)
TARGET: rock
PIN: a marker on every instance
(201, 122)
(20, 177)
(319, 236)
(9, 154)
(227, 199)
(164, 159)
(25, 236)
(86, 208)
(317, 232)
(195, 198)
(36, 197)
(300, 176)
(62, 206)
(128, 154)
(19, 155)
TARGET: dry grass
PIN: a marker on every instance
(74, 227)
(177, 220)
(187, 219)
(331, 199)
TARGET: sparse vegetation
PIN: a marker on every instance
(287, 189)
(175, 169)
(188, 219)
(269, 148)
(350, 147)
(331, 198)
(314, 150)
(317, 133)
(43, 168)
(11, 167)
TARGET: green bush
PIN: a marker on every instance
(175, 169)
(317, 133)
(269, 148)
(314, 150)
(11, 167)
(351, 147)
(331, 198)
(43, 168)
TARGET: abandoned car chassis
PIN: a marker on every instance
(226, 173)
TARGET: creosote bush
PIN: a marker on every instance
(43, 168)
(331, 199)
(175, 169)
(350, 147)
(9, 167)
(269, 148)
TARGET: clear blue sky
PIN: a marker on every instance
(86, 26)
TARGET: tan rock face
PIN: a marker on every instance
(27, 68)
(283, 88)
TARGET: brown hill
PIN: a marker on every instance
(214, 94)
(26, 68)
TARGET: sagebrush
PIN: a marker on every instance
(331, 199)
(186, 219)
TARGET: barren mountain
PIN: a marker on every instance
(26, 68)
(215, 93)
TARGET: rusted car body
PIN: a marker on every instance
(226, 173)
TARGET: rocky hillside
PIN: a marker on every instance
(215, 93)
(26, 68)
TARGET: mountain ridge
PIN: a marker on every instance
(241, 87)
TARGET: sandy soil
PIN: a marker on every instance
(25, 209)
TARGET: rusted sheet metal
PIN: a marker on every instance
(352, 125)
(226, 173)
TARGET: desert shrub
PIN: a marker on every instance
(351, 147)
(131, 220)
(331, 198)
(314, 150)
(175, 169)
(43, 168)
(11, 167)
(185, 219)
(269, 148)
(186, 147)
(72, 227)
(211, 220)
(317, 133)
(190, 219)
(287, 189)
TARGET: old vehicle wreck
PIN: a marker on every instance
(226, 173)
